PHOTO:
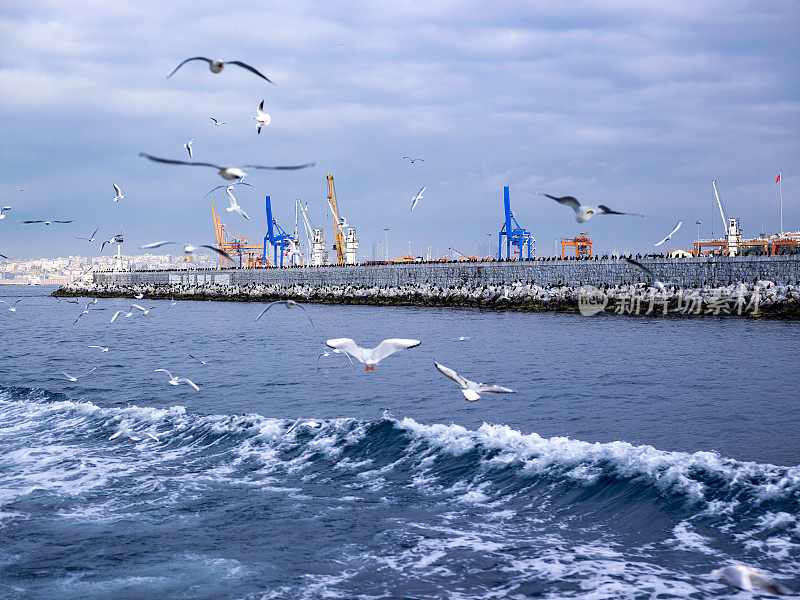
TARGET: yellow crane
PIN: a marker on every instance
(337, 226)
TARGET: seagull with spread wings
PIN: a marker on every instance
(472, 391)
(649, 272)
(225, 172)
(45, 222)
(188, 146)
(372, 356)
(584, 212)
(287, 304)
(118, 195)
(89, 239)
(262, 118)
(177, 380)
(189, 248)
(417, 197)
(671, 233)
(216, 66)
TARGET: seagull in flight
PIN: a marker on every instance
(229, 173)
(413, 160)
(177, 380)
(287, 304)
(189, 248)
(202, 362)
(108, 241)
(656, 281)
(335, 351)
(74, 379)
(222, 187)
(217, 123)
(472, 391)
(13, 306)
(372, 356)
(188, 146)
(671, 233)
(89, 239)
(217, 65)
(145, 311)
(45, 222)
(116, 314)
(748, 579)
(101, 348)
(2, 211)
(234, 207)
(418, 197)
(584, 212)
(262, 119)
(118, 193)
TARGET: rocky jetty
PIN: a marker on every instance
(758, 299)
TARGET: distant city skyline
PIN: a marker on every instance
(634, 106)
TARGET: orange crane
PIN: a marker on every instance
(581, 243)
(337, 226)
(250, 254)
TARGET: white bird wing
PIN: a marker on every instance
(671, 233)
(762, 582)
(350, 347)
(117, 190)
(89, 371)
(163, 371)
(495, 389)
(156, 244)
(390, 346)
(451, 374)
(116, 314)
(141, 308)
(99, 347)
(470, 395)
(190, 382)
(68, 376)
(116, 435)
(566, 201)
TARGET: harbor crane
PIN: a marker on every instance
(277, 237)
(337, 225)
(733, 235)
(514, 234)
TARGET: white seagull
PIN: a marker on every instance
(145, 311)
(101, 348)
(470, 389)
(89, 239)
(13, 306)
(656, 281)
(189, 248)
(217, 123)
(229, 173)
(748, 579)
(74, 379)
(3, 210)
(119, 195)
(584, 212)
(287, 304)
(202, 362)
(188, 146)
(176, 380)
(372, 356)
(234, 207)
(45, 222)
(671, 233)
(222, 187)
(217, 65)
(116, 314)
(418, 197)
(262, 119)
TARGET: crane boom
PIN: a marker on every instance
(337, 227)
(308, 226)
(459, 253)
(721, 210)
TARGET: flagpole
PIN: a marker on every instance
(780, 194)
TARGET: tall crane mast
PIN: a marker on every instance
(337, 226)
(733, 235)
(309, 228)
(719, 203)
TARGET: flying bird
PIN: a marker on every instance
(13, 306)
(145, 311)
(217, 123)
(202, 362)
(3, 256)
(188, 146)
(116, 314)
(3, 210)
(108, 241)
(748, 579)
(262, 119)
(177, 380)
(372, 356)
(472, 391)
(413, 160)
(656, 281)
(418, 197)
(222, 187)
(74, 379)
(101, 348)
(189, 248)
(234, 207)
(118, 193)
(335, 351)
(45, 222)
(287, 304)
(584, 212)
(671, 233)
(217, 65)
(89, 239)
(225, 172)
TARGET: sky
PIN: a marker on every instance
(634, 105)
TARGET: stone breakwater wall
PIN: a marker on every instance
(768, 286)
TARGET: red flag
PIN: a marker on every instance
(778, 179)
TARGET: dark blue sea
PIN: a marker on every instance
(637, 455)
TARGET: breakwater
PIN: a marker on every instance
(723, 285)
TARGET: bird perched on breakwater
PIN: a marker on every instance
(584, 212)
(229, 173)
(262, 118)
(748, 579)
(372, 356)
(671, 233)
(216, 66)
(287, 304)
(472, 391)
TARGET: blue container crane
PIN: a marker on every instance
(276, 236)
(514, 234)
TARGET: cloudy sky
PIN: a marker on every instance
(630, 104)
